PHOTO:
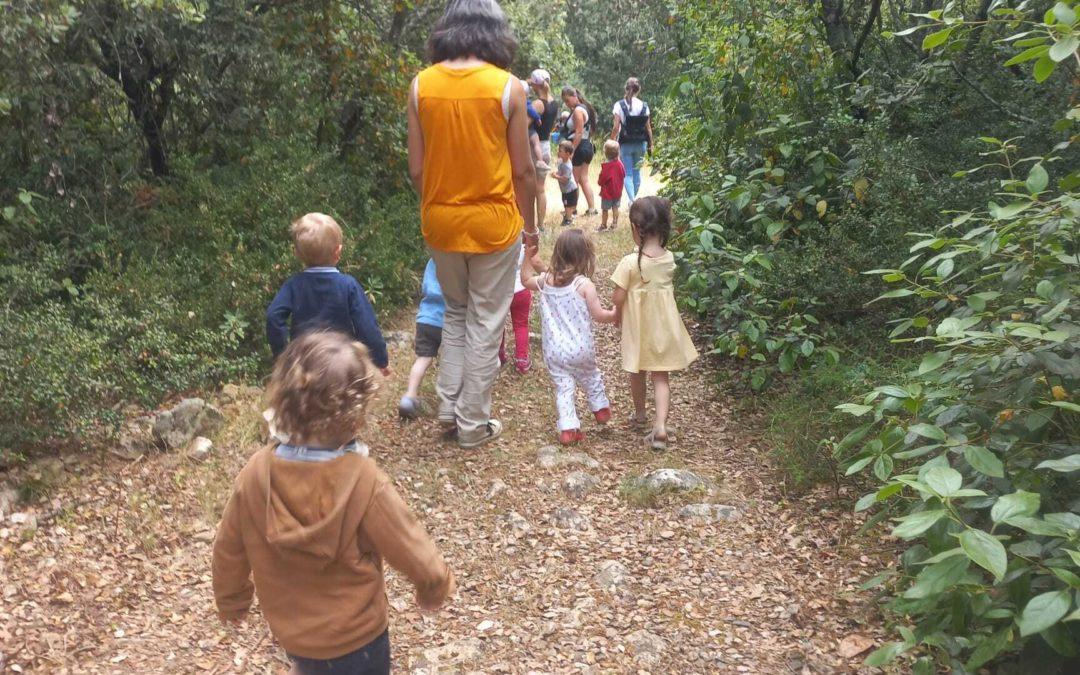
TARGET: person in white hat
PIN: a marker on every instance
(545, 106)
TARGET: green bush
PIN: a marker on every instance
(802, 423)
(977, 450)
(173, 295)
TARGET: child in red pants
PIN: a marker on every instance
(519, 318)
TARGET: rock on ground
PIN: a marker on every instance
(550, 456)
(570, 519)
(672, 479)
(199, 448)
(516, 521)
(9, 500)
(613, 576)
(497, 488)
(190, 418)
(436, 659)
(648, 648)
(398, 337)
(710, 513)
(578, 484)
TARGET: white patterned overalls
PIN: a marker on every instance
(569, 349)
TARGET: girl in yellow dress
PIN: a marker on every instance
(654, 339)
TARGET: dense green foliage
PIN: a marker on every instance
(811, 142)
(151, 158)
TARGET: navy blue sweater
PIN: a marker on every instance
(324, 298)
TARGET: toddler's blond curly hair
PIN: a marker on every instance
(321, 387)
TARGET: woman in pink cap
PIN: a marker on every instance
(548, 109)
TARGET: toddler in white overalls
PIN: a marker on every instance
(568, 306)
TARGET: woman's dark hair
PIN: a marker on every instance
(476, 28)
(651, 216)
(573, 255)
(576, 93)
(634, 85)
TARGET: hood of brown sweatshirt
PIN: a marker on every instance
(313, 507)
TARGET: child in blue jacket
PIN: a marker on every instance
(321, 297)
(429, 322)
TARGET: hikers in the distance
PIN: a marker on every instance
(633, 131)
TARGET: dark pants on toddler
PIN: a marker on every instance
(371, 659)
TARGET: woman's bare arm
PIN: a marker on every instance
(615, 129)
(416, 140)
(521, 158)
(579, 126)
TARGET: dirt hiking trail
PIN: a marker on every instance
(559, 571)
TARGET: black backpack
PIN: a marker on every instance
(633, 128)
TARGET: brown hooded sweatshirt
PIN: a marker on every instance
(315, 534)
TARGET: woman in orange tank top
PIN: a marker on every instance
(470, 160)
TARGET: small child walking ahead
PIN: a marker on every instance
(654, 339)
(568, 306)
(321, 297)
(312, 520)
(429, 322)
(611, 178)
(564, 173)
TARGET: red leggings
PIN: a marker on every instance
(519, 317)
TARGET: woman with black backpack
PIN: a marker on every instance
(633, 130)
(578, 130)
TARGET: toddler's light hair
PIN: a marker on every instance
(611, 149)
(316, 237)
(574, 254)
(321, 387)
(566, 146)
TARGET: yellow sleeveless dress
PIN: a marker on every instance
(467, 201)
(654, 337)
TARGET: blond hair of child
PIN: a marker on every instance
(317, 239)
(611, 150)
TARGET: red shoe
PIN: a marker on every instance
(571, 436)
(603, 415)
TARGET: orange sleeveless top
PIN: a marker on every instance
(467, 204)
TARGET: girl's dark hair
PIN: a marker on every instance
(651, 216)
(321, 387)
(573, 255)
(476, 28)
(574, 91)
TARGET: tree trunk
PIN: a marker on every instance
(837, 32)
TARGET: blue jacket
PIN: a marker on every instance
(432, 305)
(324, 298)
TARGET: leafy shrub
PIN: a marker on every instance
(977, 450)
(172, 298)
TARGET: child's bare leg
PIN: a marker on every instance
(637, 392)
(603, 219)
(662, 399)
(614, 217)
(416, 375)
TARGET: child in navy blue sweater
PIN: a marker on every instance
(321, 297)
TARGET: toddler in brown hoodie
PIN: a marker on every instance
(314, 519)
